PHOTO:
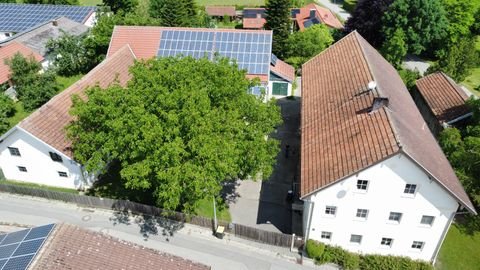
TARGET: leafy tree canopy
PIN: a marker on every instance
(179, 137)
(33, 88)
(304, 45)
(7, 109)
(394, 49)
(367, 20)
(125, 5)
(175, 13)
(423, 22)
(460, 18)
(278, 20)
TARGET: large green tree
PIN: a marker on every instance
(125, 5)
(460, 19)
(423, 22)
(7, 109)
(33, 88)
(304, 45)
(367, 20)
(175, 13)
(394, 49)
(278, 20)
(179, 137)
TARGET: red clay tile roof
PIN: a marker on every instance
(339, 138)
(8, 52)
(254, 23)
(221, 10)
(70, 247)
(49, 121)
(444, 97)
(283, 70)
(323, 14)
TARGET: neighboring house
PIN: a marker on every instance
(219, 12)
(373, 178)
(302, 18)
(7, 52)
(17, 18)
(441, 101)
(36, 150)
(312, 14)
(254, 18)
(37, 37)
(64, 246)
(250, 49)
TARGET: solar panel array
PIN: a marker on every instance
(251, 50)
(20, 17)
(17, 249)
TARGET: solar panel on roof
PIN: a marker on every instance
(20, 17)
(17, 249)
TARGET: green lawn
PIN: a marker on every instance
(65, 82)
(459, 251)
(25, 184)
(205, 209)
(90, 2)
(473, 81)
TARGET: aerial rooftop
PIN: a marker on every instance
(8, 51)
(20, 17)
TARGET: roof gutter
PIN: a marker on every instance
(459, 118)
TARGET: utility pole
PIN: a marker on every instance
(214, 215)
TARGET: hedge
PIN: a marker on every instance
(322, 254)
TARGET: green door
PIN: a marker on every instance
(280, 89)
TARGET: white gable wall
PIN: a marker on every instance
(385, 194)
(41, 169)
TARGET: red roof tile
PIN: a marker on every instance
(70, 247)
(221, 10)
(323, 14)
(283, 70)
(49, 121)
(257, 22)
(444, 97)
(8, 52)
(339, 138)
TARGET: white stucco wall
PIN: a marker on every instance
(41, 169)
(270, 88)
(3, 35)
(385, 194)
(90, 21)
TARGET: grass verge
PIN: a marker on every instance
(37, 186)
(459, 250)
(205, 209)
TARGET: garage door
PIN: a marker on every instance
(280, 89)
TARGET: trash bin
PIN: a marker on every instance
(220, 232)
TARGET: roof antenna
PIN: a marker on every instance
(372, 85)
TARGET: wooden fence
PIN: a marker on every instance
(266, 237)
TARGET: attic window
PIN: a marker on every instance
(378, 103)
(55, 157)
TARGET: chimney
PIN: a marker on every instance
(313, 13)
(378, 102)
(54, 23)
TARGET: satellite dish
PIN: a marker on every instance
(372, 85)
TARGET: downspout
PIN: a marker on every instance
(309, 222)
(444, 235)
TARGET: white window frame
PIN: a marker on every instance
(361, 186)
(407, 190)
(326, 236)
(395, 214)
(14, 151)
(330, 210)
(20, 170)
(427, 224)
(356, 236)
(62, 174)
(362, 214)
(386, 242)
(417, 245)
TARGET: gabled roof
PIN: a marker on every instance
(7, 52)
(323, 15)
(340, 137)
(220, 10)
(283, 70)
(254, 18)
(444, 97)
(36, 38)
(20, 17)
(70, 247)
(49, 121)
(150, 41)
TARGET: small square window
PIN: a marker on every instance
(331, 210)
(417, 245)
(62, 174)
(395, 216)
(362, 184)
(386, 242)
(427, 220)
(355, 238)
(55, 157)
(362, 213)
(410, 189)
(14, 151)
(326, 235)
(22, 169)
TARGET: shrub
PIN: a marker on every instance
(349, 5)
(341, 257)
(378, 262)
(314, 249)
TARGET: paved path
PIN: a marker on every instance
(335, 8)
(188, 241)
(413, 62)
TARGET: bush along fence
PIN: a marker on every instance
(266, 237)
(322, 253)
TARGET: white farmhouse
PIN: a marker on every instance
(37, 150)
(373, 178)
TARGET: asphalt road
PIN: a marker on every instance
(187, 241)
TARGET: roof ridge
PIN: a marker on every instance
(330, 47)
(453, 84)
